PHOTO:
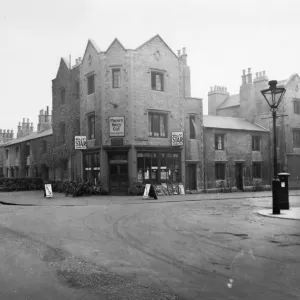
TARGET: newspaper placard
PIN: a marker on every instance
(116, 126)
(80, 142)
(48, 190)
(146, 191)
(177, 138)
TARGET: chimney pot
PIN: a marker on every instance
(178, 52)
(244, 72)
(27, 120)
(183, 50)
(23, 120)
(249, 70)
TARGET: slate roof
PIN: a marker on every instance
(231, 123)
(31, 136)
(232, 100)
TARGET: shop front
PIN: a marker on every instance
(158, 166)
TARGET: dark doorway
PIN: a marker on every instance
(239, 176)
(192, 177)
(118, 179)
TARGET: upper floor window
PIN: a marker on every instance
(77, 89)
(6, 154)
(158, 124)
(192, 126)
(157, 81)
(255, 143)
(256, 170)
(17, 152)
(91, 84)
(91, 126)
(44, 146)
(296, 138)
(219, 141)
(62, 95)
(116, 78)
(220, 171)
(62, 132)
(297, 106)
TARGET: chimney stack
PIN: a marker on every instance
(184, 55)
(31, 127)
(244, 77)
(249, 76)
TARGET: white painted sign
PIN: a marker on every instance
(48, 189)
(177, 138)
(146, 191)
(116, 126)
(80, 142)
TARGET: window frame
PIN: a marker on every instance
(62, 96)
(222, 135)
(255, 167)
(218, 172)
(192, 118)
(296, 106)
(161, 75)
(113, 71)
(255, 143)
(151, 124)
(90, 89)
(296, 130)
(89, 126)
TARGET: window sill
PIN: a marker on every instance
(157, 137)
(157, 91)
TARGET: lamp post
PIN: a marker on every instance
(273, 96)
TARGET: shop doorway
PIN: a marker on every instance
(118, 172)
(239, 176)
(192, 177)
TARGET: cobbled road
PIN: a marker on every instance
(209, 249)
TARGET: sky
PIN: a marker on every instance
(221, 38)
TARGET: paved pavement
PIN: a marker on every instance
(36, 198)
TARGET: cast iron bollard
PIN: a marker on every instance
(283, 190)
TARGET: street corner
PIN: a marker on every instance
(291, 214)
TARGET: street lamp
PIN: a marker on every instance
(273, 96)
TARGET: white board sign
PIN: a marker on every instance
(116, 126)
(80, 142)
(177, 138)
(48, 189)
(146, 191)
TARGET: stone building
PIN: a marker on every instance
(251, 105)
(132, 102)
(5, 136)
(236, 151)
(27, 155)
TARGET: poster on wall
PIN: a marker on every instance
(80, 142)
(116, 126)
(177, 138)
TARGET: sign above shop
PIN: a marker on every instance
(116, 126)
(80, 142)
(177, 138)
(117, 141)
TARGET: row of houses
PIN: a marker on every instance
(135, 109)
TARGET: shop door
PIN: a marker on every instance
(192, 178)
(118, 179)
(239, 176)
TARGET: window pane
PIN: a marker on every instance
(116, 78)
(150, 124)
(155, 125)
(192, 127)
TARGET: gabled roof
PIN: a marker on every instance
(31, 136)
(156, 37)
(232, 100)
(231, 123)
(286, 81)
(115, 41)
(93, 44)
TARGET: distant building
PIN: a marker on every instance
(251, 105)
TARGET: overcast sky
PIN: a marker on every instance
(221, 37)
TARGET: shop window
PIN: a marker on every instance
(220, 171)
(296, 138)
(192, 127)
(158, 124)
(91, 84)
(219, 141)
(92, 167)
(256, 169)
(157, 81)
(91, 126)
(255, 143)
(116, 77)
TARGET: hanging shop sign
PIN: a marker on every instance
(177, 138)
(116, 126)
(80, 142)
